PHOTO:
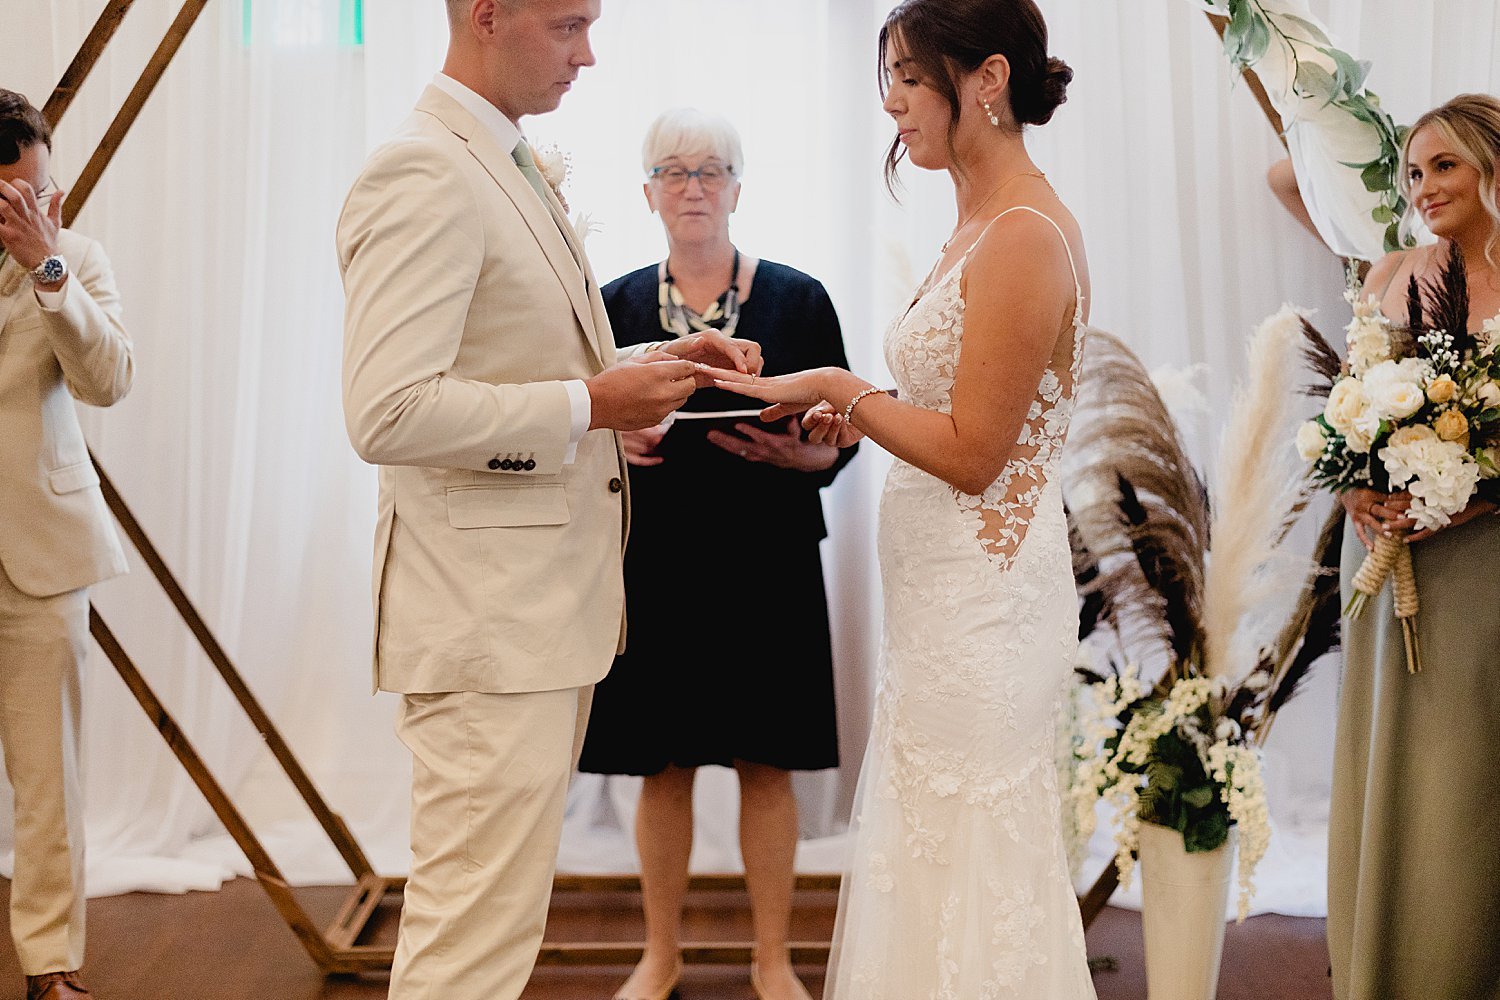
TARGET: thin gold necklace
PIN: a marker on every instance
(1013, 177)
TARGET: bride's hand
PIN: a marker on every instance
(826, 424)
(788, 394)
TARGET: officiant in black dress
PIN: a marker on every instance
(673, 702)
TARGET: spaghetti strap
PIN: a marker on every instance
(1077, 285)
(1391, 281)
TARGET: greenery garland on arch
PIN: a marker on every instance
(1252, 30)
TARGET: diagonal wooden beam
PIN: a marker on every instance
(339, 950)
(332, 823)
(1258, 89)
(83, 63)
(266, 872)
(160, 59)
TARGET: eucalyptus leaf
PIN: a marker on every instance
(1364, 74)
(1348, 73)
(1315, 34)
(1259, 42)
(1316, 82)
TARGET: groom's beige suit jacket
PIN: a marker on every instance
(56, 535)
(470, 303)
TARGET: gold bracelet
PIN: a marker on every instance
(849, 410)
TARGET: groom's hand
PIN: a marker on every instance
(718, 351)
(639, 393)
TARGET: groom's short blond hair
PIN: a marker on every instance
(458, 9)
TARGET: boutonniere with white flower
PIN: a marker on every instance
(584, 226)
(554, 165)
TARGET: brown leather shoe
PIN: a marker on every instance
(55, 986)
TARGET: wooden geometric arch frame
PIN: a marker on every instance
(338, 949)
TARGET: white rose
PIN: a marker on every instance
(1405, 437)
(1489, 462)
(1345, 404)
(1394, 390)
(1359, 436)
(1488, 394)
(1311, 440)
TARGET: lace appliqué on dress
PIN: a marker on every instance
(922, 351)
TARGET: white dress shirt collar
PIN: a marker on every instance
(505, 131)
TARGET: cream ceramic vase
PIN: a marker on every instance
(1183, 900)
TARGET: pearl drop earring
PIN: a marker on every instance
(994, 118)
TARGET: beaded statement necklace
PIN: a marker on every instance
(681, 321)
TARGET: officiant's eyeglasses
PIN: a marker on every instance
(674, 180)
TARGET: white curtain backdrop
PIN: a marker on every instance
(219, 214)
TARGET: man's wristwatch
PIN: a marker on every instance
(52, 271)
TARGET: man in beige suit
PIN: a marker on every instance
(60, 339)
(480, 374)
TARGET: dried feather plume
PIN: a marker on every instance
(1258, 489)
(1256, 614)
(1138, 507)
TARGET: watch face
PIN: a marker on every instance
(51, 271)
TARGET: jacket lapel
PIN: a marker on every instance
(545, 221)
(12, 284)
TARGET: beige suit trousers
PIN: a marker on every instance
(489, 780)
(42, 645)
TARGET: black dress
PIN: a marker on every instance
(723, 663)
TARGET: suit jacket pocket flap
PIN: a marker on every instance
(508, 506)
(71, 478)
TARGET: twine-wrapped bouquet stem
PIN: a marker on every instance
(1391, 557)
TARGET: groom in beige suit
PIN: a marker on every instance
(61, 339)
(480, 374)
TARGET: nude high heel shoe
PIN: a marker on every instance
(668, 992)
(760, 989)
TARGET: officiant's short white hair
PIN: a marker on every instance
(690, 132)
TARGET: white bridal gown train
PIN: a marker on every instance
(959, 887)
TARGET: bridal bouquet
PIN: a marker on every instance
(1415, 410)
(1228, 639)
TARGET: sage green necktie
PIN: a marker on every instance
(527, 163)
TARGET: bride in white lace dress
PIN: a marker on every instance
(959, 886)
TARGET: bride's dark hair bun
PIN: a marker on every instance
(1034, 100)
(940, 40)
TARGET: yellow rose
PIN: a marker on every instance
(1442, 389)
(1451, 425)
